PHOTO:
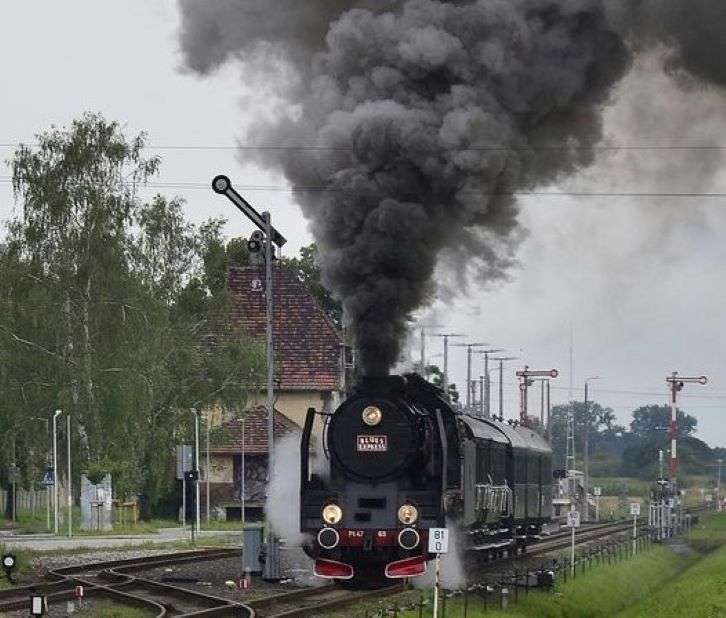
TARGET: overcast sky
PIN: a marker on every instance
(640, 280)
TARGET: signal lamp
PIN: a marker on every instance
(372, 416)
(408, 514)
(332, 514)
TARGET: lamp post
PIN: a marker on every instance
(55, 471)
(208, 469)
(718, 486)
(586, 450)
(70, 484)
(197, 524)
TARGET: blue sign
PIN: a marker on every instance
(49, 477)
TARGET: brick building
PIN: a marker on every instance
(309, 372)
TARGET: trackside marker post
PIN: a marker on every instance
(573, 521)
(635, 512)
(438, 544)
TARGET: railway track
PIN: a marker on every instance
(113, 580)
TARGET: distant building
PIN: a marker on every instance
(310, 371)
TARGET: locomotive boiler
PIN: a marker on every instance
(398, 461)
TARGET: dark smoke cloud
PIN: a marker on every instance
(693, 32)
(424, 114)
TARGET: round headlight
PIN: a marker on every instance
(408, 514)
(9, 561)
(332, 514)
(372, 416)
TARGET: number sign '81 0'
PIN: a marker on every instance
(438, 540)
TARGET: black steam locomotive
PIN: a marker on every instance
(400, 461)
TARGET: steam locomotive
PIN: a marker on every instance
(398, 461)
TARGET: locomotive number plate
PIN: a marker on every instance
(372, 444)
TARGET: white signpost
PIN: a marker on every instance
(597, 492)
(635, 512)
(573, 521)
(438, 544)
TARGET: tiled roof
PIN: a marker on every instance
(307, 346)
(228, 437)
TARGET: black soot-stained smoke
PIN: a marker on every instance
(420, 119)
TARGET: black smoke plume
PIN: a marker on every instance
(420, 118)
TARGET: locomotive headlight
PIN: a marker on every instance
(372, 416)
(408, 514)
(332, 514)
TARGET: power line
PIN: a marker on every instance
(322, 189)
(483, 148)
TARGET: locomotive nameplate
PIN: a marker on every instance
(372, 444)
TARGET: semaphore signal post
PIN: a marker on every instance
(525, 381)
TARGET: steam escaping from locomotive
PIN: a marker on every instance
(412, 124)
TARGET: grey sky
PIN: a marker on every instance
(640, 280)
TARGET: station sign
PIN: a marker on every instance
(438, 540)
(49, 477)
(635, 509)
(573, 519)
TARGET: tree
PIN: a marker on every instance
(308, 271)
(652, 420)
(106, 307)
(599, 421)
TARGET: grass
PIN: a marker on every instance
(36, 523)
(602, 592)
(700, 592)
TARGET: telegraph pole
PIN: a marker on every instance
(586, 453)
(469, 347)
(445, 377)
(487, 380)
(501, 360)
(525, 381)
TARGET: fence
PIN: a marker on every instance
(501, 591)
(33, 500)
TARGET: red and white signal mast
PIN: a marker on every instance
(675, 385)
(525, 381)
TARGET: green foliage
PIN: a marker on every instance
(697, 593)
(604, 591)
(308, 271)
(106, 307)
(652, 421)
(96, 471)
